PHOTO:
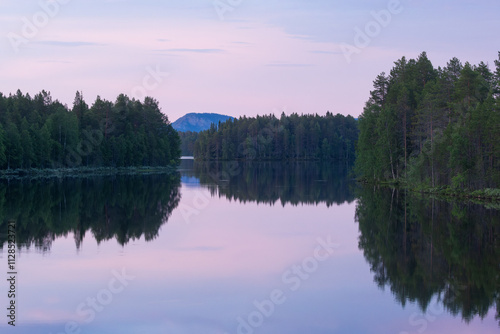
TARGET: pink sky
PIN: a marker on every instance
(263, 57)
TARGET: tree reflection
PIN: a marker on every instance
(421, 248)
(269, 182)
(123, 207)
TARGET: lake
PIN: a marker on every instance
(246, 248)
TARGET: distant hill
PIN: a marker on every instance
(196, 122)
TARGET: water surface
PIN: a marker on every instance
(248, 248)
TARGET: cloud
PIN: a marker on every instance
(55, 61)
(326, 52)
(241, 43)
(288, 65)
(67, 44)
(194, 50)
(302, 37)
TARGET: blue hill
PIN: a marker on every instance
(197, 122)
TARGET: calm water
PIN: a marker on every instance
(247, 248)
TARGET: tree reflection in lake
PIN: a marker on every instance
(421, 247)
(121, 207)
(269, 182)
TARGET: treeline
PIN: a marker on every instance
(433, 127)
(39, 132)
(294, 137)
(188, 138)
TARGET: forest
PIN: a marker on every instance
(432, 127)
(188, 138)
(294, 137)
(39, 132)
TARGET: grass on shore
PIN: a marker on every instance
(445, 191)
(481, 195)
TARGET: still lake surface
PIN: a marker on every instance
(247, 248)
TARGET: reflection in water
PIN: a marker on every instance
(121, 207)
(422, 248)
(268, 182)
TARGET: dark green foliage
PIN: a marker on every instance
(3, 157)
(432, 127)
(188, 139)
(294, 137)
(41, 133)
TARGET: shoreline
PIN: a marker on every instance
(49, 173)
(486, 195)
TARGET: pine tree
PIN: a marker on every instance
(79, 109)
(379, 94)
(496, 81)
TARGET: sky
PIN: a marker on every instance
(234, 57)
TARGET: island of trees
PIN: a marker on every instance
(433, 128)
(294, 137)
(38, 132)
